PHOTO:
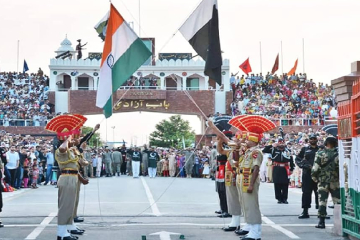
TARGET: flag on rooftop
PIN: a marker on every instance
(25, 68)
(293, 70)
(201, 29)
(124, 52)
(101, 26)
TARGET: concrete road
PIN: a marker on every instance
(127, 208)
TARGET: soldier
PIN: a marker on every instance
(67, 159)
(249, 183)
(107, 159)
(305, 160)
(325, 173)
(145, 161)
(117, 158)
(87, 157)
(189, 162)
(213, 155)
(283, 166)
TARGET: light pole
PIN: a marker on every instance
(113, 128)
(97, 142)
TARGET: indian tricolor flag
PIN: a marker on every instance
(124, 52)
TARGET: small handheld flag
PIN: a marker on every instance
(25, 68)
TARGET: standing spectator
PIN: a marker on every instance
(49, 155)
(35, 175)
(94, 164)
(117, 158)
(41, 173)
(26, 173)
(20, 172)
(172, 163)
(13, 161)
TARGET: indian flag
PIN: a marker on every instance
(124, 52)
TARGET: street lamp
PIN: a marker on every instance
(113, 128)
(97, 142)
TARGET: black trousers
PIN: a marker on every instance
(12, 176)
(220, 186)
(1, 200)
(281, 191)
(308, 186)
(123, 167)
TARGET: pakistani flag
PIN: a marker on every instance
(100, 27)
(124, 52)
(201, 30)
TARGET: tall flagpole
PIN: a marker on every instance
(282, 66)
(303, 45)
(17, 61)
(260, 59)
(139, 18)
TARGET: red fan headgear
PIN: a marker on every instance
(254, 125)
(66, 125)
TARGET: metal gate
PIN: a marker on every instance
(349, 152)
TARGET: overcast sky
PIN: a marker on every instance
(330, 29)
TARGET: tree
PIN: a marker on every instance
(95, 139)
(169, 133)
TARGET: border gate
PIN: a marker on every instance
(349, 153)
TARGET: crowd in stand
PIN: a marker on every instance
(288, 100)
(24, 99)
(29, 161)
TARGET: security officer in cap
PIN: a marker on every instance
(283, 165)
(326, 173)
(305, 161)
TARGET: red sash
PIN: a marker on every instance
(220, 174)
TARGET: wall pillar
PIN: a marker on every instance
(183, 79)
(73, 83)
(162, 83)
(206, 86)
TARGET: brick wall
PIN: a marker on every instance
(26, 130)
(83, 102)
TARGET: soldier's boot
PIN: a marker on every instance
(304, 214)
(321, 223)
(118, 174)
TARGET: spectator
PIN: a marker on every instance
(13, 159)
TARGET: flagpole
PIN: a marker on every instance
(17, 61)
(139, 18)
(303, 45)
(282, 66)
(260, 59)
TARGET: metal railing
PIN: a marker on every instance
(22, 123)
(299, 121)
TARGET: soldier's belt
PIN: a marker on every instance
(241, 171)
(280, 164)
(70, 172)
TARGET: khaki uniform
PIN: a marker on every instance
(232, 195)
(250, 201)
(117, 159)
(67, 186)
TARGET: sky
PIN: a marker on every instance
(330, 29)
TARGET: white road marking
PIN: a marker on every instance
(165, 235)
(165, 224)
(36, 232)
(280, 228)
(150, 197)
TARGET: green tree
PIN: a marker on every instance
(169, 133)
(95, 138)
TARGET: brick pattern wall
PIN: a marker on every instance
(83, 102)
(26, 130)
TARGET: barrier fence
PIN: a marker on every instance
(349, 167)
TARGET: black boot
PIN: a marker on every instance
(304, 214)
(321, 223)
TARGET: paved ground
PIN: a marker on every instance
(183, 206)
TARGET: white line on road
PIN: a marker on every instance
(166, 224)
(34, 234)
(150, 197)
(280, 228)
